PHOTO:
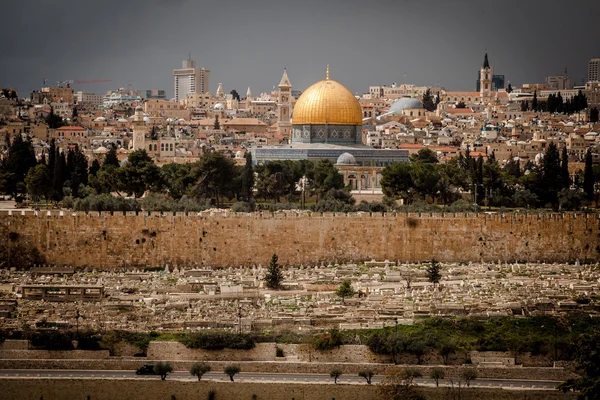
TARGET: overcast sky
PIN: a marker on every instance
(249, 42)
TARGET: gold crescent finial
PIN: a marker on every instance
(327, 75)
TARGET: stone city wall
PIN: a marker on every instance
(106, 240)
(153, 389)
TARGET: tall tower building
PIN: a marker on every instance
(485, 77)
(284, 106)
(594, 70)
(190, 79)
(139, 129)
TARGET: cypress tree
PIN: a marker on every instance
(564, 169)
(534, 102)
(551, 170)
(588, 176)
(59, 175)
(95, 167)
(274, 275)
(111, 157)
(247, 178)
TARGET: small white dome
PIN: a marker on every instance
(100, 119)
(147, 120)
(139, 108)
(101, 149)
(219, 106)
(239, 154)
(122, 120)
(346, 159)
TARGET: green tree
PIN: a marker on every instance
(75, 114)
(54, 121)
(20, 158)
(436, 374)
(111, 157)
(213, 177)
(594, 115)
(428, 102)
(59, 176)
(274, 276)
(38, 182)
(565, 177)
(94, 168)
(139, 174)
(549, 185)
(461, 104)
(534, 101)
(247, 179)
(77, 167)
(468, 375)
(345, 290)
(153, 133)
(426, 156)
(177, 179)
(425, 177)
(367, 374)
(326, 177)
(335, 374)
(587, 357)
(199, 369)
(163, 369)
(217, 125)
(231, 371)
(418, 348)
(399, 385)
(396, 181)
(433, 272)
(588, 176)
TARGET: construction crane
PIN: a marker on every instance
(70, 82)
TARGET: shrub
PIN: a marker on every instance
(105, 202)
(279, 352)
(51, 340)
(216, 341)
(243, 206)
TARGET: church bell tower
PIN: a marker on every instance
(284, 106)
(486, 75)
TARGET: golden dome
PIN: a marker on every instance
(327, 102)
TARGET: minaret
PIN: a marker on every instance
(139, 129)
(220, 94)
(485, 79)
(284, 106)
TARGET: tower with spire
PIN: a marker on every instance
(284, 106)
(486, 75)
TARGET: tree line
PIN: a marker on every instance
(556, 104)
(214, 180)
(544, 184)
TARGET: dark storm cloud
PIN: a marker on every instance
(248, 43)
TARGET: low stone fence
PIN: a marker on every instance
(557, 374)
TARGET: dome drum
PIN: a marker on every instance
(333, 134)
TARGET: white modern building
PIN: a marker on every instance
(594, 70)
(190, 80)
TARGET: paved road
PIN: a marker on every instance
(263, 377)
